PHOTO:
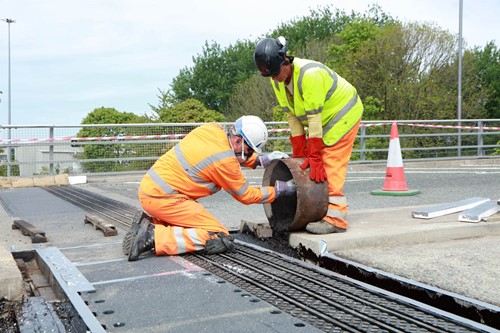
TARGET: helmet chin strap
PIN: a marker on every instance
(242, 148)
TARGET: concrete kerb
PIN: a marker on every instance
(11, 280)
(12, 182)
(10, 276)
(388, 227)
(377, 227)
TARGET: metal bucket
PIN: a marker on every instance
(293, 213)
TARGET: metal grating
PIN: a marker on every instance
(327, 301)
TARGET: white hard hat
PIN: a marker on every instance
(253, 130)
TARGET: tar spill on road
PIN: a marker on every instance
(277, 243)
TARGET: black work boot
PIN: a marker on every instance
(132, 232)
(221, 244)
(143, 241)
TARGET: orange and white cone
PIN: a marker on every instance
(395, 182)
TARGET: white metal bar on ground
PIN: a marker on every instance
(68, 281)
(478, 213)
(75, 180)
(448, 208)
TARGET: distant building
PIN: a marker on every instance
(45, 158)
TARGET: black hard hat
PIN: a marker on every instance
(269, 55)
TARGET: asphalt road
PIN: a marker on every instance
(438, 182)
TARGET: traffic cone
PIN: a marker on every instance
(395, 183)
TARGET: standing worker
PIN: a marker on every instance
(205, 161)
(313, 95)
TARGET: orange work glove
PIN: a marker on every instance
(299, 145)
(314, 160)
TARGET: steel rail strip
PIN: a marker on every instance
(314, 295)
(318, 301)
(439, 319)
(95, 205)
(310, 275)
(123, 212)
(88, 206)
(280, 295)
(250, 255)
(300, 309)
(99, 200)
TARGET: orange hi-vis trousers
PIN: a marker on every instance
(181, 224)
(335, 160)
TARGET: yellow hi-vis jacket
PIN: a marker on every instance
(319, 91)
(201, 164)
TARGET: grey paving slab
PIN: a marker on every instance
(184, 302)
(33, 202)
(62, 222)
(170, 294)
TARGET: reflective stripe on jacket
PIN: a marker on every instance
(201, 164)
(319, 90)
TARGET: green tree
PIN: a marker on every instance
(14, 169)
(308, 37)
(107, 149)
(411, 69)
(403, 66)
(401, 71)
(317, 25)
(322, 26)
(188, 111)
(104, 115)
(254, 96)
(215, 73)
(218, 75)
(487, 69)
(165, 101)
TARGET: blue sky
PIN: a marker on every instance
(70, 57)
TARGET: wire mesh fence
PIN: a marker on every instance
(32, 151)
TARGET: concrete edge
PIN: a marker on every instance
(394, 237)
(11, 280)
(12, 182)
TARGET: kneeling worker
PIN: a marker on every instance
(205, 161)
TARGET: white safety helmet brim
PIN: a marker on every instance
(253, 130)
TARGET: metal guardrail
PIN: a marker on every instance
(39, 150)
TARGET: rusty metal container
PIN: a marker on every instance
(293, 213)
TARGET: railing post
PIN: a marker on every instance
(362, 144)
(480, 151)
(10, 153)
(9, 156)
(51, 151)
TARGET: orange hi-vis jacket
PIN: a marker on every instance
(200, 165)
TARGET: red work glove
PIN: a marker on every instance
(299, 145)
(314, 160)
